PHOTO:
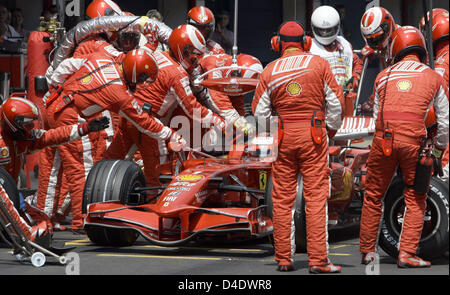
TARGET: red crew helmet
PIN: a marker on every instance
(17, 116)
(405, 40)
(139, 66)
(203, 19)
(436, 11)
(187, 45)
(377, 26)
(440, 24)
(103, 8)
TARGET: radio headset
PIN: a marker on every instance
(303, 39)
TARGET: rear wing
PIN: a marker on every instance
(355, 128)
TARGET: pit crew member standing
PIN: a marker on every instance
(115, 44)
(101, 83)
(345, 65)
(203, 19)
(18, 138)
(300, 87)
(377, 26)
(403, 93)
(171, 89)
(440, 42)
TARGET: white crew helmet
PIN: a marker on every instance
(325, 22)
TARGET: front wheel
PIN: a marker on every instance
(113, 180)
(434, 240)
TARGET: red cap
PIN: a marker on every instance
(291, 35)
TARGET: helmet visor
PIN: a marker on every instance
(192, 55)
(127, 41)
(326, 32)
(109, 12)
(26, 124)
(206, 29)
(375, 42)
(376, 39)
(143, 78)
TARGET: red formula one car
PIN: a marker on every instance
(209, 197)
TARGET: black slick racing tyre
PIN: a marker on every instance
(112, 180)
(434, 240)
(299, 214)
(300, 224)
(121, 237)
(116, 237)
(97, 234)
(269, 204)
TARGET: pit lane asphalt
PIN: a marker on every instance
(244, 258)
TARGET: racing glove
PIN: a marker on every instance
(367, 52)
(218, 122)
(93, 125)
(367, 107)
(176, 142)
(150, 31)
(353, 83)
(243, 126)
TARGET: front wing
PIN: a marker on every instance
(181, 225)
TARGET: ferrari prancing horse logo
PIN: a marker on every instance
(262, 180)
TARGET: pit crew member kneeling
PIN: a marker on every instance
(18, 137)
(102, 83)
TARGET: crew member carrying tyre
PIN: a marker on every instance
(18, 138)
(302, 90)
(402, 95)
